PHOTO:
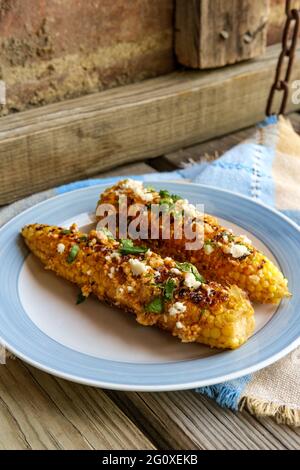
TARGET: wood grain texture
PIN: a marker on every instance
(79, 138)
(211, 149)
(38, 411)
(214, 33)
(187, 420)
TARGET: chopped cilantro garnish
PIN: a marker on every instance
(190, 268)
(155, 306)
(65, 232)
(164, 193)
(73, 254)
(167, 198)
(175, 197)
(169, 288)
(228, 235)
(80, 298)
(128, 248)
(83, 238)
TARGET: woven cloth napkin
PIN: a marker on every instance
(266, 168)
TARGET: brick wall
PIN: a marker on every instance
(57, 49)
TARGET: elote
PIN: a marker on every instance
(173, 296)
(223, 257)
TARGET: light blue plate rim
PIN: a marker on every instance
(277, 338)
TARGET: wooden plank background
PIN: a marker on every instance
(215, 33)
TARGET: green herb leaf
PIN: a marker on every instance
(80, 298)
(65, 232)
(190, 268)
(197, 275)
(83, 238)
(168, 199)
(175, 197)
(169, 289)
(155, 306)
(164, 193)
(73, 254)
(229, 236)
(128, 248)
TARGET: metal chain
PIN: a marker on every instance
(281, 82)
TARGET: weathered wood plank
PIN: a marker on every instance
(38, 411)
(214, 33)
(211, 149)
(76, 139)
(186, 420)
(132, 169)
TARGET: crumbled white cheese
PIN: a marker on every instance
(176, 308)
(130, 289)
(208, 249)
(190, 281)
(137, 267)
(138, 189)
(225, 238)
(175, 271)
(237, 251)
(179, 325)
(254, 278)
(188, 209)
(209, 290)
(246, 239)
(108, 257)
(120, 290)
(148, 252)
(93, 242)
(115, 255)
(89, 272)
(60, 248)
(111, 272)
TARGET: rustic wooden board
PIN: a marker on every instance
(207, 151)
(187, 420)
(38, 411)
(63, 142)
(214, 33)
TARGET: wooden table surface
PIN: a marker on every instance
(39, 411)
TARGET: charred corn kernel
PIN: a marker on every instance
(160, 297)
(231, 259)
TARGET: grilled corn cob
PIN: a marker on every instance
(140, 281)
(224, 257)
